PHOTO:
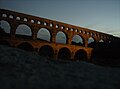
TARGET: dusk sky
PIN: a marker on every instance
(99, 15)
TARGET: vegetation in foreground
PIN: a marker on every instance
(25, 70)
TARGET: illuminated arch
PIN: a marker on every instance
(26, 46)
(5, 26)
(23, 30)
(61, 37)
(44, 34)
(77, 40)
(81, 55)
(101, 40)
(46, 51)
(64, 53)
(91, 42)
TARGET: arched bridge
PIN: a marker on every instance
(48, 37)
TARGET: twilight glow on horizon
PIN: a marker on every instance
(98, 15)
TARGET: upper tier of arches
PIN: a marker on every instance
(54, 30)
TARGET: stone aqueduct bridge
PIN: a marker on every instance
(51, 48)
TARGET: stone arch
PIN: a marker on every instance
(61, 37)
(23, 29)
(4, 42)
(5, 26)
(81, 54)
(101, 40)
(4, 15)
(11, 16)
(46, 51)
(102, 43)
(77, 40)
(44, 34)
(64, 53)
(18, 18)
(91, 42)
(26, 46)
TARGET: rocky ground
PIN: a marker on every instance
(25, 70)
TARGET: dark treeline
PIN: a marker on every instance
(107, 53)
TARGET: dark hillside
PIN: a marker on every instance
(27, 70)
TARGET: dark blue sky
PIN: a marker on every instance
(99, 15)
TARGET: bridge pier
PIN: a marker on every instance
(34, 36)
(86, 42)
(69, 40)
(72, 55)
(13, 29)
(53, 39)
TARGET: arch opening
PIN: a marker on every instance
(81, 55)
(61, 37)
(23, 31)
(64, 53)
(102, 44)
(91, 42)
(25, 46)
(77, 40)
(44, 34)
(4, 27)
(46, 51)
(101, 40)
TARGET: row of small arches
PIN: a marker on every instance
(56, 26)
